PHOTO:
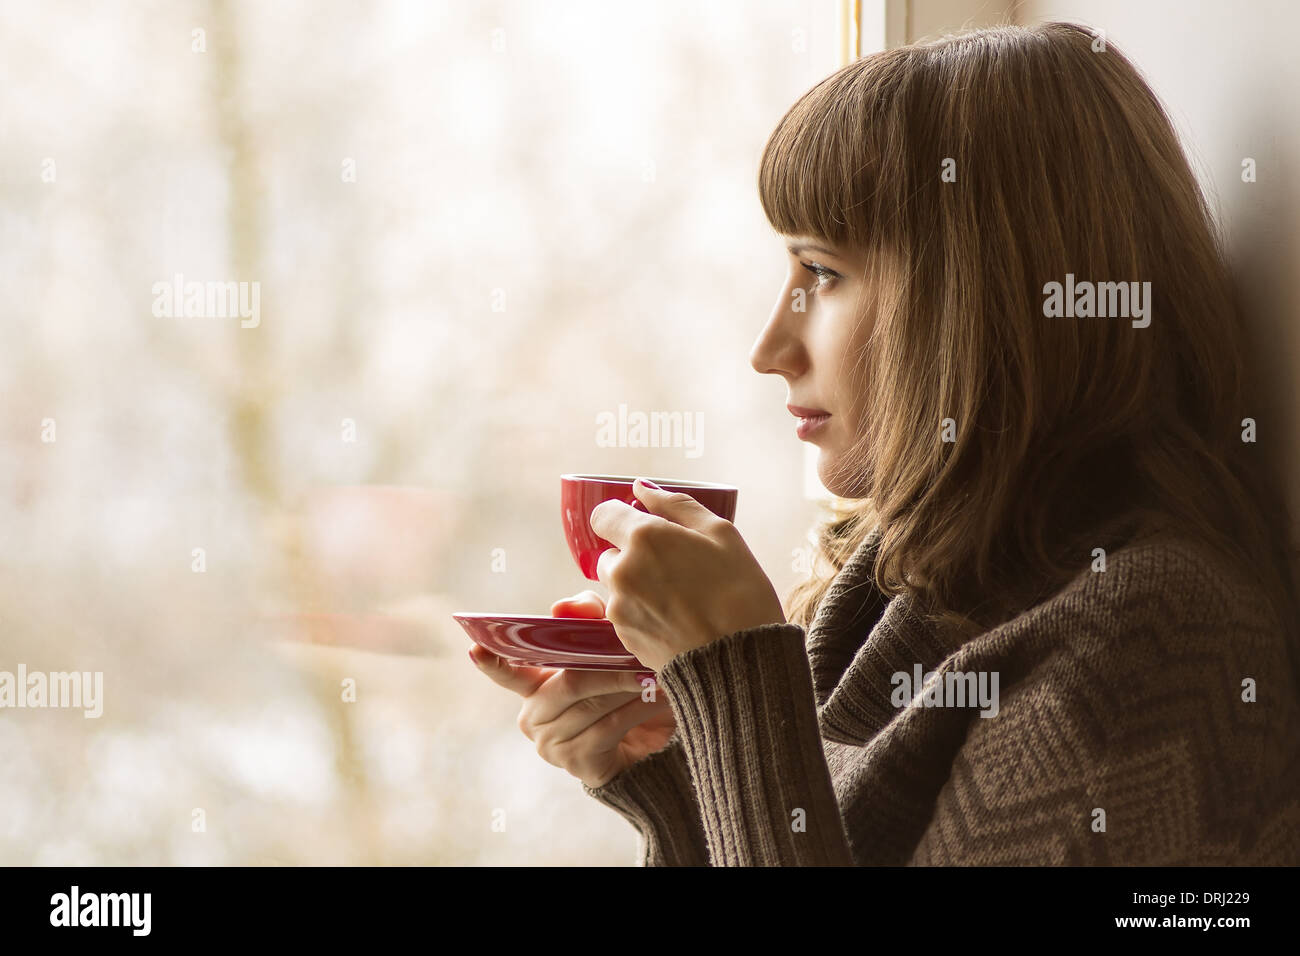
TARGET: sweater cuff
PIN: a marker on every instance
(747, 719)
(657, 797)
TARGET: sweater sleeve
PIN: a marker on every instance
(747, 721)
(656, 796)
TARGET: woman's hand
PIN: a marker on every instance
(594, 724)
(679, 577)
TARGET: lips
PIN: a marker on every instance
(798, 411)
(811, 420)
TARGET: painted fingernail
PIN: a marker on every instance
(650, 484)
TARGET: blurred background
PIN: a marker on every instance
(474, 228)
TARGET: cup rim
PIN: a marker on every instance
(662, 482)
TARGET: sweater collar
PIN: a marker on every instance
(859, 638)
(847, 612)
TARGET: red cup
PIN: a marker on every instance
(579, 495)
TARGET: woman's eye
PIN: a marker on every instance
(824, 276)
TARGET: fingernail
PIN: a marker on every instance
(650, 484)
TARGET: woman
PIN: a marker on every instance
(1056, 623)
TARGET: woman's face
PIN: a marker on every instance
(811, 340)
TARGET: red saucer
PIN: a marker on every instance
(572, 643)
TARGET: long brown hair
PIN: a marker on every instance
(1070, 433)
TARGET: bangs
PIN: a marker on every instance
(822, 168)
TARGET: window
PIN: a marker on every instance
(308, 310)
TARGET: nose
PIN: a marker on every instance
(778, 349)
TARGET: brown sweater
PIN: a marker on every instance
(1120, 737)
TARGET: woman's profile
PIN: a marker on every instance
(1053, 618)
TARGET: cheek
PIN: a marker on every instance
(839, 350)
(846, 382)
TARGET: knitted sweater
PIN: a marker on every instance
(1120, 736)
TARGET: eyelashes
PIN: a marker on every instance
(824, 276)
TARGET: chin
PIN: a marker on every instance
(839, 478)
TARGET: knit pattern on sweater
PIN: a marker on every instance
(1123, 733)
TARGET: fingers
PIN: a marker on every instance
(605, 565)
(521, 679)
(615, 520)
(567, 689)
(586, 732)
(613, 727)
(576, 718)
(587, 604)
(677, 507)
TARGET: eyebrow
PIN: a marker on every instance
(798, 247)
